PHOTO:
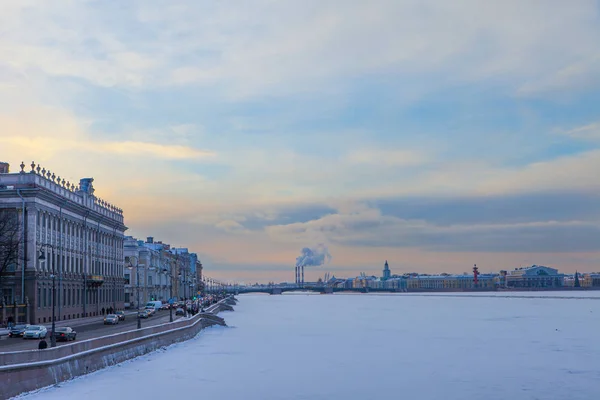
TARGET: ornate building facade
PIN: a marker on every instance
(70, 235)
(156, 271)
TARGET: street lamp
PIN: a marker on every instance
(42, 259)
(137, 281)
(170, 293)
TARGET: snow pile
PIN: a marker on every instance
(369, 347)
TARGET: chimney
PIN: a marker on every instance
(4, 167)
(149, 239)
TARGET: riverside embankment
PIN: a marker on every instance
(23, 371)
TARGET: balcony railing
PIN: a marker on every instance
(94, 280)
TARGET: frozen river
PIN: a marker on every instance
(301, 346)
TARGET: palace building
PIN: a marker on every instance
(64, 232)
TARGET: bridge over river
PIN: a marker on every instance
(278, 289)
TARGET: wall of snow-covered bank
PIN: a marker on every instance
(25, 371)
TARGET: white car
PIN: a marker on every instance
(151, 310)
(35, 332)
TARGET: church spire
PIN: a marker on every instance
(386, 271)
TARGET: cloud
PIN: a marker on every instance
(266, 48)
(586, 132)
(269, 126)
(370, 228)
(581, 75)
(49, 131)
(388, 158)
(231, 226)
(494, 209)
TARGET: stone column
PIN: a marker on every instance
(3, 311)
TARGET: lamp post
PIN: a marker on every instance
(42, 259)
(170, 293)
(129, 260)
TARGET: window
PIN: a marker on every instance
(127, 278)
(150, 281)
(39, 297)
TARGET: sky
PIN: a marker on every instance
(432, 134)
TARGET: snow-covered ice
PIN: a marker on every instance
(370, 347)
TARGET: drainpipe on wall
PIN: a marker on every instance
(60, 259)
(24, 253)
(98, 267)
(85, 264)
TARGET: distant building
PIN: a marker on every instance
(450, 282)
(535, 276)
(586, 280)
(386, 271)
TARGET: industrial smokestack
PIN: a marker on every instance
(310, 258)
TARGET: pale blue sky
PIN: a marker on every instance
(433, 134)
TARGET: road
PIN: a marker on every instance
(89, 331)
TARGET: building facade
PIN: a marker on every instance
(536, 276)
(148, 272)
(158, 271)
(451, 282)
(68, 234)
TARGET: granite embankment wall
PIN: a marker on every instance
(24, 371)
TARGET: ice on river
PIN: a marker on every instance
(371, 347)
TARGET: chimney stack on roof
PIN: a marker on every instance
(149, 239)
(4, 168)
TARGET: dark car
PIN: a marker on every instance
(179, 311)
(121, 315)
(65, 334)
(17, 330)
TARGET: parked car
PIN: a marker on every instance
(121, 315)
(35, 332)
(179, 311)
(111, 319)
(17, 330)
(65, 333)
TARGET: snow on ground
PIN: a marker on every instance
(370, 347)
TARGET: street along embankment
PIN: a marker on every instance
(24, 371)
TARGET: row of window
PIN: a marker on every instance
(76, 264)
(104, 246)
(72, 296)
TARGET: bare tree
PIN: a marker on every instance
(10, 242)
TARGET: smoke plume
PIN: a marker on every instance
(313, 257)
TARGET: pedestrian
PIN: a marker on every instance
(43, 344)
(102, 310)
(10, 321)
